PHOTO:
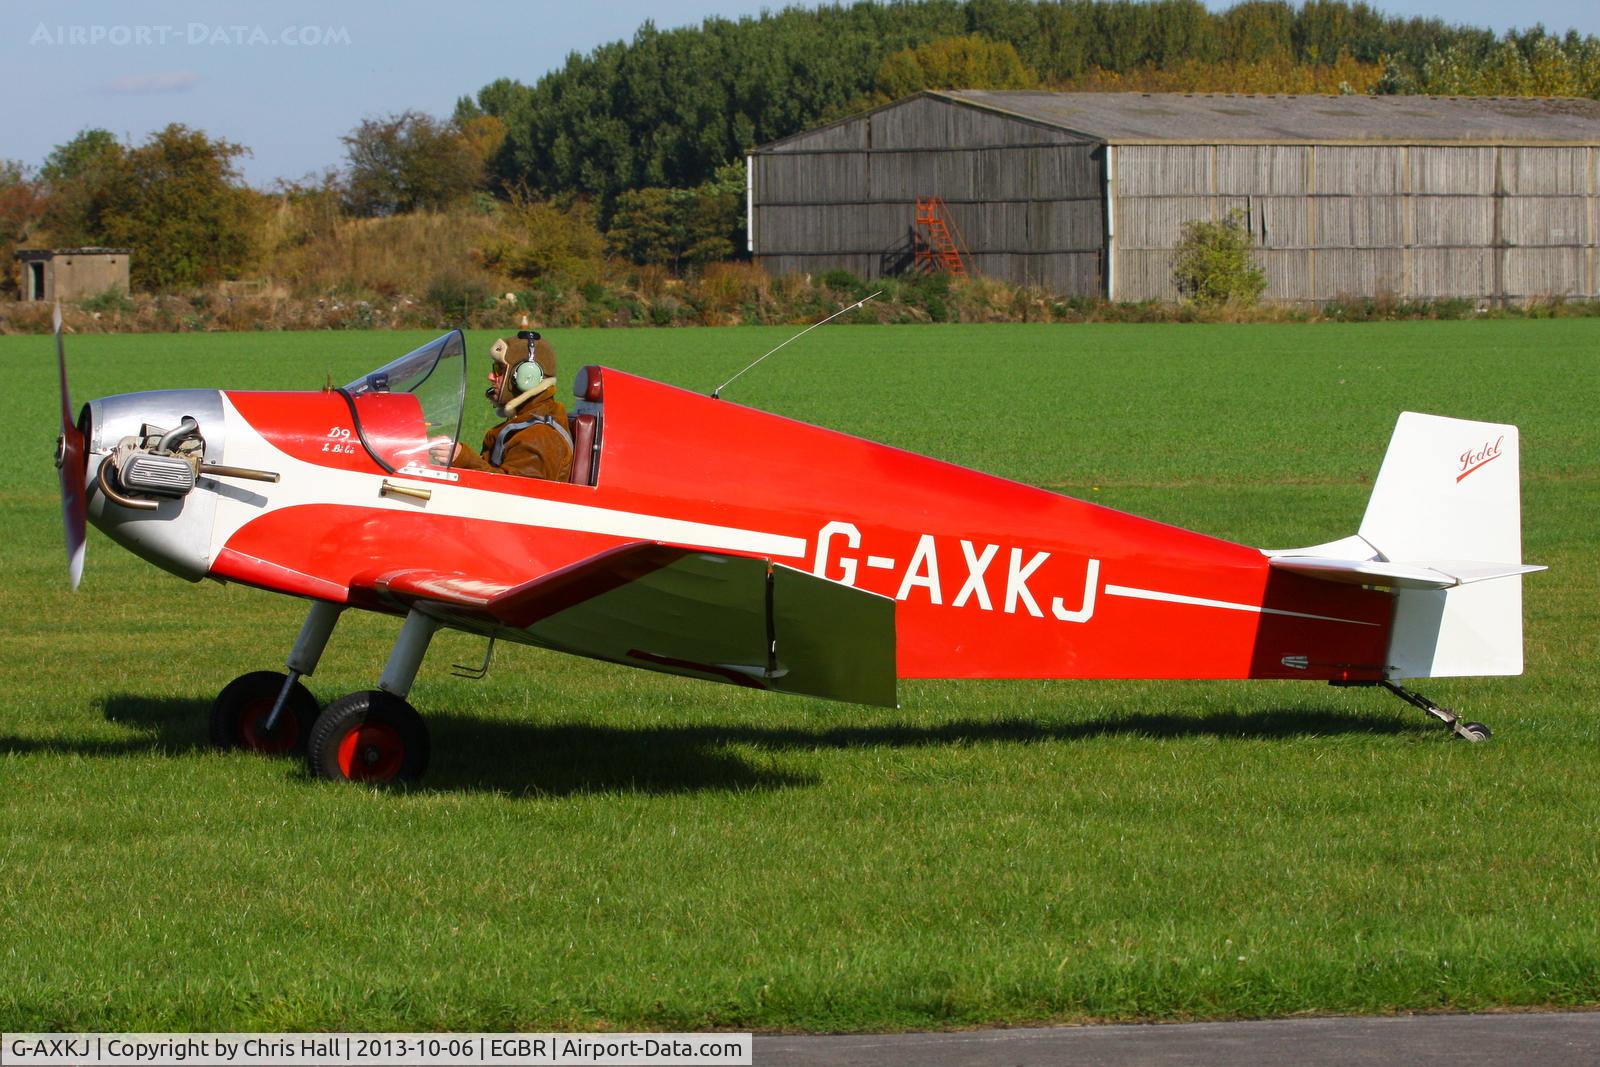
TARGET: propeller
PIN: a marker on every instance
(72, 466)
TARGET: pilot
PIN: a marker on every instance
(533, 441)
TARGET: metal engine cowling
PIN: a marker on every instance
(158, 511)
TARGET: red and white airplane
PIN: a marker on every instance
(759, 551)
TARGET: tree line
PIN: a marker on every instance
(635, 149)
(177, 200)
(668, 108)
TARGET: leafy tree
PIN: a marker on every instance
(542, 240)
(1059, 48)
(483, 135)
(953, 63)
(1214, 263)
(1527, 64)
(177, 200)
(21, 205)
(80, 177)
(1117, 37)
(1256, 29)
(672, 227)
(1274, 74)
(412, 161)
(1002, 20)
(89, 151)
(1181, 31)
(724, 195)
(645, 227)
(669, 107)
(1325, 28)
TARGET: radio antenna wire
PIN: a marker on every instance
(716, 394)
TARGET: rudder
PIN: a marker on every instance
(1448, 497)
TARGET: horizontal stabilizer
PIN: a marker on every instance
(1416, 574)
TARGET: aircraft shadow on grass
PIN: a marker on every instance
(562, 759)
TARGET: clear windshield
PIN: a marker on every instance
(413, 405)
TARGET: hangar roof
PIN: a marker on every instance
(46, 253)
(1221, 118)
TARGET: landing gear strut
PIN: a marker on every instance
(272, 713)
(371, 736)
(1467, 731)
(375, 736)
(307, 651)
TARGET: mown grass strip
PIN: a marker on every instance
(598, 847)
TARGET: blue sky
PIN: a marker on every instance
(289, 78)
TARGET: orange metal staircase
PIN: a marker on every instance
(940, 246)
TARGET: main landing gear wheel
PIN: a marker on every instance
(239, 715)
(369, 736)
(1472, 731)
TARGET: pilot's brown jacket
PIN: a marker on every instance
(536, 451)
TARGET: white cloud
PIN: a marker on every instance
(166, 81)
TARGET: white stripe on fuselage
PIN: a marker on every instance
(305, 483)
(1228, 605)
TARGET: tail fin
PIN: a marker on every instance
(1448, 489)
(1445, 517)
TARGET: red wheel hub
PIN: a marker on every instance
(253, 732)
(371, 752)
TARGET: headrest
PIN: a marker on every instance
(588, 386)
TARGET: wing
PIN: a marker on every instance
(707, 615)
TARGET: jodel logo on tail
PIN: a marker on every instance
(1474, 458)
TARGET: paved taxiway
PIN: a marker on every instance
(1533, 1039)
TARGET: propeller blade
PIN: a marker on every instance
(72, 466)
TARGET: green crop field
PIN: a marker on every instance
(602, 848)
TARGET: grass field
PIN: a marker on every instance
(598, 847)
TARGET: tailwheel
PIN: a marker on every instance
(371, 736)
(1467, 731)
(239, 715)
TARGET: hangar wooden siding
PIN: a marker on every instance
(1086, 194)
(1493, 222)
(1026, 197)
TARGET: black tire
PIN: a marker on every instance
(1481, 731)
(369, 736)
(240, 711)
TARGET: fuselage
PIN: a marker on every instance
(991, 578)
